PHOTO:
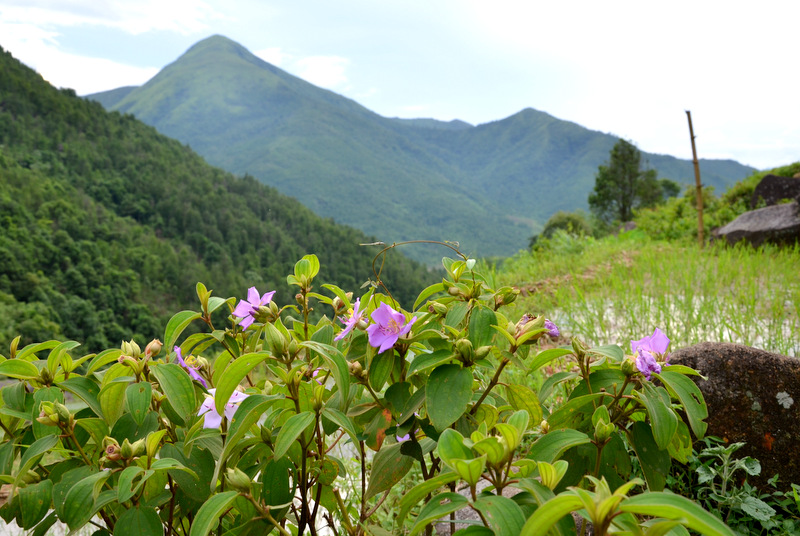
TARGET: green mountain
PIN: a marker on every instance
(488, 187)
(106, 225)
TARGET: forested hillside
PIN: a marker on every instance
(106, 225)
(488, 187)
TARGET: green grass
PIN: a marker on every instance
(617, 289)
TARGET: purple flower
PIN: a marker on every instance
(247, 309)
(551, 328)
(648, 350)
(388, 327)
(208, 408)
(191, 367)
(351, 321)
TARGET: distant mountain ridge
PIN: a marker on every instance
(488, 187)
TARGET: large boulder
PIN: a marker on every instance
(752, 396)
(778, 224)
(773, 189)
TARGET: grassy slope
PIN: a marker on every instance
(488, 187)
(618, 289)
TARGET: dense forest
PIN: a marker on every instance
(106, 225)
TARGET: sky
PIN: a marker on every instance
(628, 68)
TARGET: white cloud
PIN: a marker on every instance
(38, 49)
(181, 16)
(323, 71)
(274, 55)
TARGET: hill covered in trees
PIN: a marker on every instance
(487, 186)
(107, 225)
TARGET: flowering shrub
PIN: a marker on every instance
(256, 437)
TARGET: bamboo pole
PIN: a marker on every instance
(699, 184)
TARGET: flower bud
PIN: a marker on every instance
(131, 348)
(274, 311)
(355, 368)
(153, 348)
(64, 416)
(579, 347)
(126, 449)
(31, 477)
(437, 308)
(111, 449)
(337, 304)
(465, 350)
(13, 347)
(300, 299)
(505, 296)
(545, 426)
(454, 291)
(238, 479)
(601, 415)
(45, 376)
(128, 361)
(482, 352)
(48, 415)
(603, 430)
(628, 367)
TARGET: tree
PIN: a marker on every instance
(622, 185)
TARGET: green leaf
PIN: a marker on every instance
(428, 292)
(209, 514)
(439, 506)
(21, 370)
(550, 513)
(277, 477)
(380, 369)
(553, 444)
(389, 466)
(176, 325)
(481, 321)
(247, 414)
(102, 359)
(34, 502)
(420, 491)
(503, 515)
(447, 393)
(545, 356)
(86, 390)
(610, 351)
(655, 462)
(79, 501)
(425, 361)
(33, 454)
(662, 417)
(178, 387)
(138, 397)
(451, 447)
(290, 431)
(139, 521)
(126, 487)
(574, 410)
(522, 397)
(470, 470)
(32, 349)
(690, 396)
(456, 314)
(671, 506)
(344, 422)
(233, 375)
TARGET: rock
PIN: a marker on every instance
(752, 396)
(777, 224)
(772, 189)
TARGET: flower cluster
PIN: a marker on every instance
(248, 309)
(389, 325)
(208, 408)
(191, 365)
(650, 352)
